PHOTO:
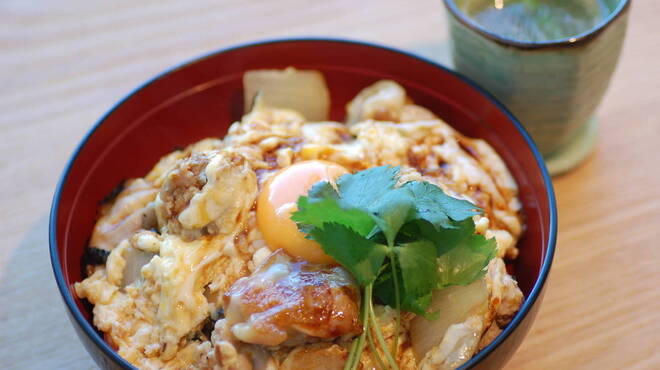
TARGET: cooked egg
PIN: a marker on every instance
(278, 200)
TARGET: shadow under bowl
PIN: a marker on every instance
(201, 98)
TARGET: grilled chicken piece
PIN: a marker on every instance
(287, 302)
(198, 196)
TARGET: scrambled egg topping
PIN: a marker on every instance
(183, 240)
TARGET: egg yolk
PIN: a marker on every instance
(278, 200)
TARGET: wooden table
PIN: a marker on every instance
(63, 64)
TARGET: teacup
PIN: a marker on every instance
(552, 86)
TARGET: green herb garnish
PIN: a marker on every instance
(399, 242)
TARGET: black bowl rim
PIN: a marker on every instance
(572, 41)
(517, 319)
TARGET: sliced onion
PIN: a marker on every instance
(304, 91)
(135, 259)
(454, 305)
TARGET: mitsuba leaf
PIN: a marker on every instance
(443, 239)
(361, 201)
(384, 291)
(433, 205)
(463, 254)
(360, 256)
(391, 211)
(419, 268)
(466, 262)
(419, 306)
(373, 191)
(314, 212)
(365, 188)
(322, 190)
(384, 287)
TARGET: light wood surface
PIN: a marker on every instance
(64, 63)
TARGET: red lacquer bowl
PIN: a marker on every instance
(201, 98)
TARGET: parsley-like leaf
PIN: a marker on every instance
(417, 262)
(463, 254)
(316, 212)
(466, 262)
(373, 191)
(360, 256)
(365, 199)
(384, 291)
(391, 211)
(438, 208)
(419, 305)
(365, 188)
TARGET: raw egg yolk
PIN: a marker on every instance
(277, 202)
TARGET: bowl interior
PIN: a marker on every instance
(200, 99)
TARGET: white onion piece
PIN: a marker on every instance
(454, 304)
(135, 259)
(304, 91)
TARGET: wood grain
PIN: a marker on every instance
(64, 63)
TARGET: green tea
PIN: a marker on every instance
(537, 20)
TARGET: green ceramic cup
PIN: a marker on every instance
(552, 87)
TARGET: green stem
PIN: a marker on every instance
(372, 348)
(358, 344)
(379, 337)
(358, 354)
(397, 299)
(351, 355)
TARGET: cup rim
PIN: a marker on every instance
(575, 40)
(86, 329)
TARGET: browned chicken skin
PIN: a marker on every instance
(287, 302)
